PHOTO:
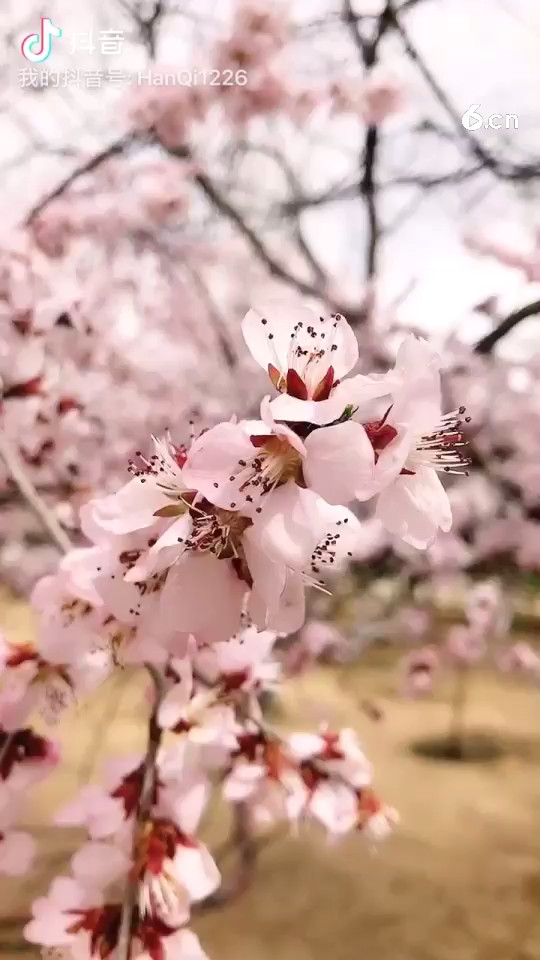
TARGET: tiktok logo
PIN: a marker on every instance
(38, 46)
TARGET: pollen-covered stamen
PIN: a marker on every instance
(165, 465)
(274, 462)
(326, 551)
(143, 467)
(309, 356)
(216, 531)
(308, 373)
(442, 449)
(73, 609)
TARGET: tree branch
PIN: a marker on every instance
(367, 187)
(212, 193)
(144, 808)
(29, 493)
(486, 344)
(492, 163)
(257, 245)
(114, 149)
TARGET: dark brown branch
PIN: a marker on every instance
(275, 268)
(367, 187)
(256, 244)
(350, 19)
(114, 149)
(295, 187)
(144, 808)
(486, 344)
(492, 163)
(212, 193)
(368, 191)
(350, 190)
(147, 26)
(243, 842)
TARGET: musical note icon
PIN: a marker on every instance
(38, 46)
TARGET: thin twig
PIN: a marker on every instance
(144, 807)
(114, 149)
(224, 206)
(275, 268)
(486, 344)
(456, 735)
(29, 493)
(498, 167)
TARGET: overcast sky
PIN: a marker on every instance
(483, 52)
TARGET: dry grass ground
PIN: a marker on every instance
(460, 878)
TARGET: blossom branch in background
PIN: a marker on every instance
(88, 166)
(31, 496)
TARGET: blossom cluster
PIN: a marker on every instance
(196, 566)
(257, 47)
(253, 510)
(324, 776)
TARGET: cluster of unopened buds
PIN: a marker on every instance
(196, 567)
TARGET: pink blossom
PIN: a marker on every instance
(318, 636)
(486, 609)
(418, 672)
(241, 663)
(512, 247)
(98, 863)
(339, 751)
(306, 358)
(174, 871)
(169, 110)
(258, 467)
(466, 644)
(522, 658)
(381, 95)
(53, 915)
(415, 620)
(100, 813)
(272, 788)
(411, 444)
